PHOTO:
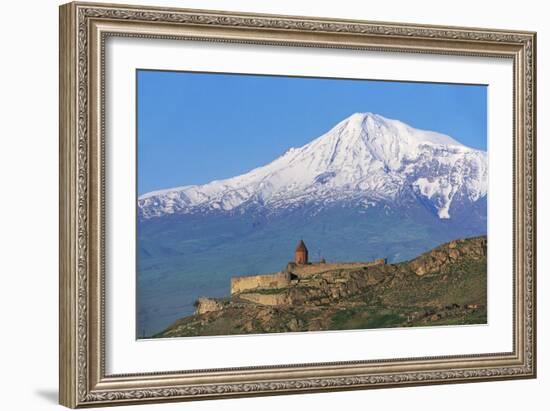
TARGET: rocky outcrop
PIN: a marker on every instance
(437, 259)
(206, 305)
(266, 299)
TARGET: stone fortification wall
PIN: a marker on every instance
(252, 282)
(283, 279)
(304, 271)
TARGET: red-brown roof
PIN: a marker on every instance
(301, 246)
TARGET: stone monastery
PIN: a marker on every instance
(295, 270)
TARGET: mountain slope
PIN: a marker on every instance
(365, 158)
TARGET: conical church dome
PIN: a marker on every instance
(301, 246)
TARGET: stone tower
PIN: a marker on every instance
(300, 255)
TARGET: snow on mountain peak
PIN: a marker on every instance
(365, 156)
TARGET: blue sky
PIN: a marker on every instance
(193, 128)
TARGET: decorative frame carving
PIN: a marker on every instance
(83, 30)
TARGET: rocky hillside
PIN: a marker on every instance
(446, 286)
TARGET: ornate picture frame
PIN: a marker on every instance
(84, 29)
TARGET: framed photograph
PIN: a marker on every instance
(259, 204)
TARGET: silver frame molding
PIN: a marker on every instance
(84, 27)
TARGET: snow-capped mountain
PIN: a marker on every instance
(365, 159)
